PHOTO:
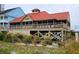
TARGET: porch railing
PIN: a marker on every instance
(36, 27)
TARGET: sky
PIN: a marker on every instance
(73, 10)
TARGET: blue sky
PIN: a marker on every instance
(52, 8)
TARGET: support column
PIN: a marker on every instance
(65, 35)
(62, 36)
(3, 25)
(0, 25)
(49, 33)
(8, 25)
(32, 24)
(3, 22)
(76, 36)
(38, 33)
(21, 25)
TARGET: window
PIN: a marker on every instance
(5, 17)
(1, 17)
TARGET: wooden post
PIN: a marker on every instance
(62, 36)
(8, 25)
(76, 36)
(38, 33)
(49, 33)
(32, 24)
(53, 23)
(3, 22)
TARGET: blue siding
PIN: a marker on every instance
(8, 18)
(11, 15)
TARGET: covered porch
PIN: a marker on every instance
(47, 24)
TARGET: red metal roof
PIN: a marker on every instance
(60, 16)
(43, 16)
(18, 19)
(39, 16)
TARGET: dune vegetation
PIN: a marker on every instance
(18, 43)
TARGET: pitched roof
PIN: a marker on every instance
(60, 16)
(7, 10)
(34, 16)
(39, 16)
(43, 16)
(18, 19)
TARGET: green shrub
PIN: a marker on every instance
(19, 37)
(9, 37)
(2, 35)
(46, 41)
(37, 39)
(28, 39)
